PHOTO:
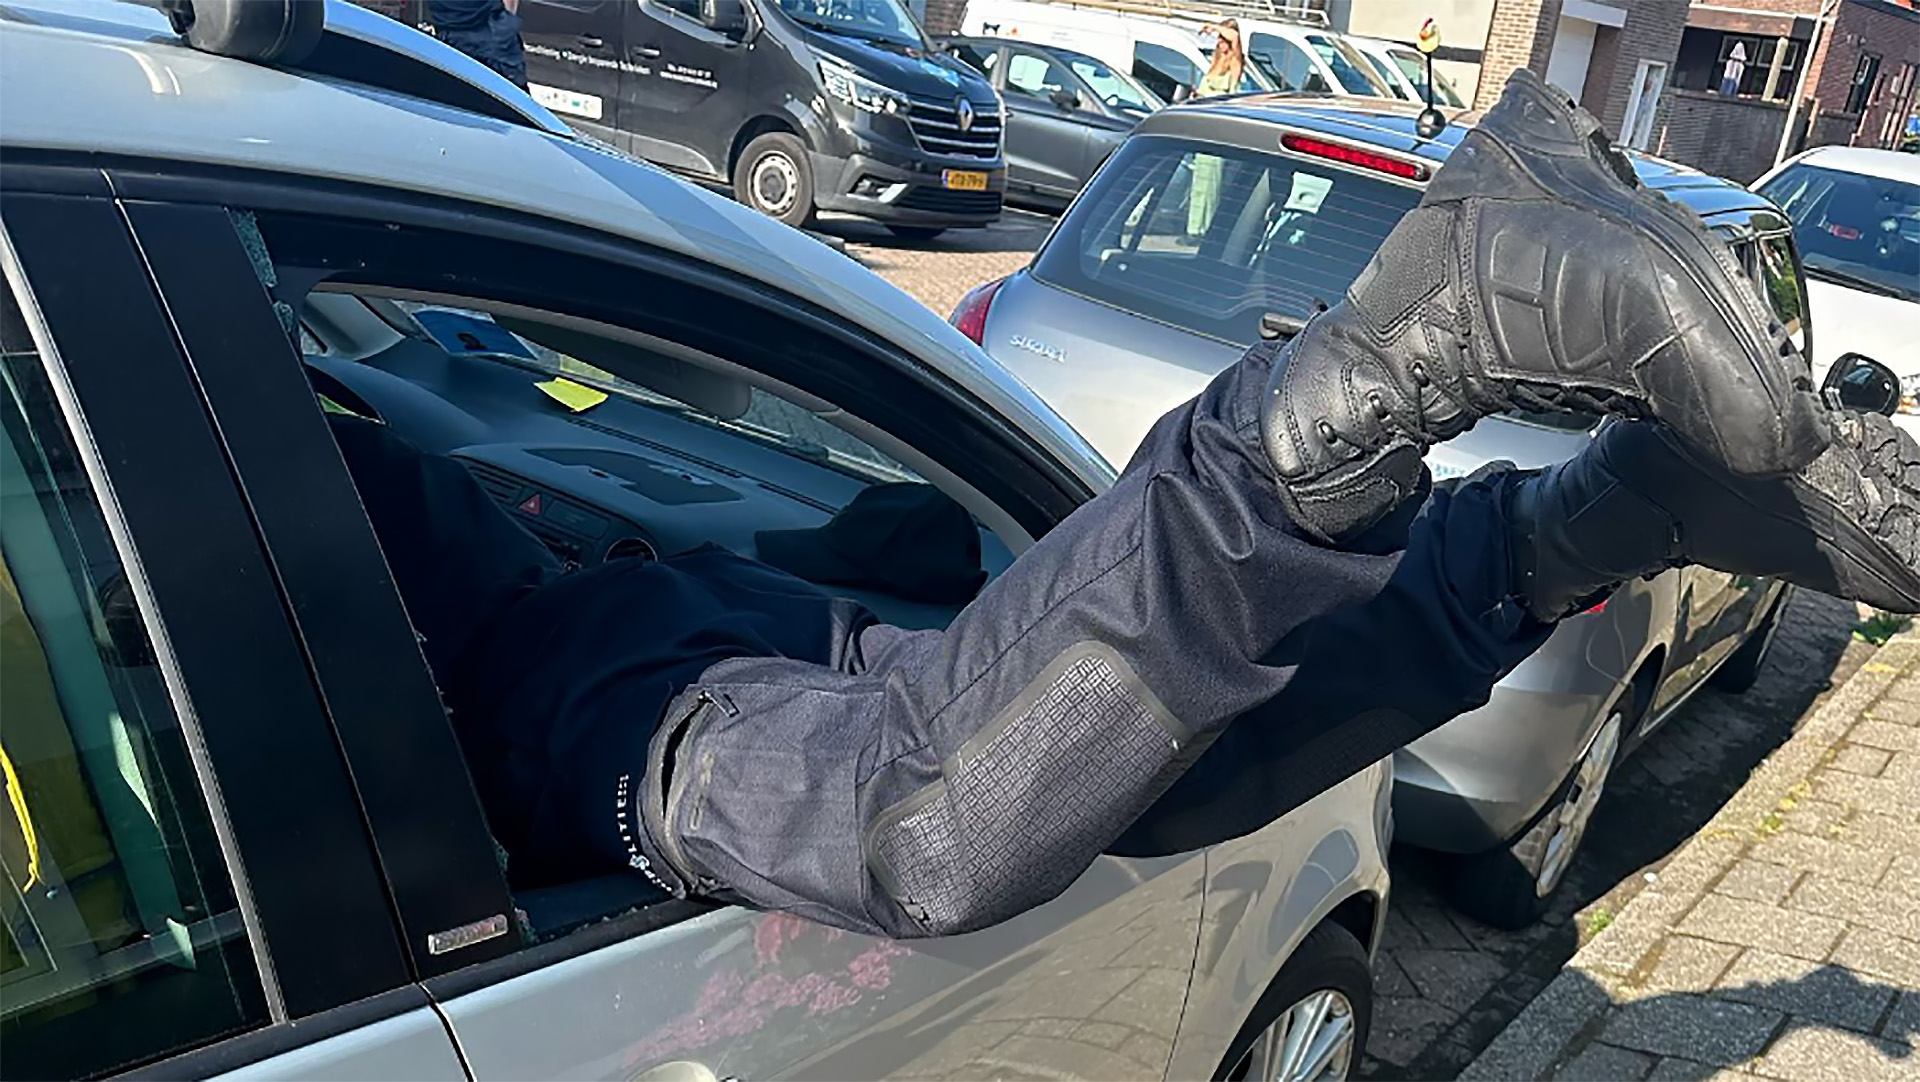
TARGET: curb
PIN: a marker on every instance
(1558, 1023)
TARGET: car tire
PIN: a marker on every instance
(1327, 979)
(916, 232)
(774, 177)
(1742, 668)
(1511, 886)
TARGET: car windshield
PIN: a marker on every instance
(875, 20)
(1857, 231)
(767, 420)
(1116, 89)
(1211, 238)
(1414, 66)
(1348, 66)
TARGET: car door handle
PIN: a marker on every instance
(592, 41)
(648, 52)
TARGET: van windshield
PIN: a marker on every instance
(874, 20)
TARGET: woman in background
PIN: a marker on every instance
(1223, 77)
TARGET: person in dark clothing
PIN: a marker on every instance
(1195, 651)
(487, 30)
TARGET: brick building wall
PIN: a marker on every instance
(1520, 35)
(1730, 137)
(943, 16)
(1860, 27)
(1652, 32)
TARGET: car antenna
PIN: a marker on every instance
(1431, 121)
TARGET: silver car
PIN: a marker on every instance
(239, 835)
(1220, 222)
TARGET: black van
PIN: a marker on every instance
(798, 105)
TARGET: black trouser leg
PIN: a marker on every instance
(937, 782)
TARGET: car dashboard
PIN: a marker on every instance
(618, 480)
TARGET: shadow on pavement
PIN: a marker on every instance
(1016, 231)
(1448, 985)
(1830, 1022)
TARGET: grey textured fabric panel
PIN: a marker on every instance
(1029, 802)
(1390, 290)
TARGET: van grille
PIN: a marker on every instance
(943, 201)
(936, 127)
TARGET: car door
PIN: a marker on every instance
(1046, 129)
(607, 978)
(573, 50)
(685, 86)
(186, 882)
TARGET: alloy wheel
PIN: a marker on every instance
(1311, 1040)
(1576, 811)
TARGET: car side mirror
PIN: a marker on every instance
(1861, 383)
(727, 17)
(1066, 98)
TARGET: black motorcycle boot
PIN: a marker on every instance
(1639, 500)
(1537, 273)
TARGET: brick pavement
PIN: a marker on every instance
(1782, 941)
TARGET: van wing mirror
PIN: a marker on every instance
(727, 17)
(1861, 383)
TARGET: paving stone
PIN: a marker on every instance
(1403, 1028)
(1897, 713)
(1436, 927)
(1605, 1063)
(1874, 733)
(1903, 876)
(1709, 1030)
(1860, 759)
(1883, 794)
(1820, 818)
(1816, 1054)
(1752, 924)
(1806, 990)
(1389, 979)
(1454, 979)
(1903, 1025)
(1024, 1056)
(1879, 833)
(1676, 1069)
(1903, 768)
(1874, 953)
(1689, 965)
(1533, 1041)
(1906, 689)
(1855, 903)
(1825, 855)
(1757, 881)
(1051, 1027)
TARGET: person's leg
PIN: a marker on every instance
(942, 781)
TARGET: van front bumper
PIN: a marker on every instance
(900, 189)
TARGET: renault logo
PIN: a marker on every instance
(965, 109)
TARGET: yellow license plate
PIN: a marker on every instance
(964, 180)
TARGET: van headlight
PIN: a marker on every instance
(859, 91)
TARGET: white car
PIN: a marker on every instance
(239, 834)
(1166, 56)
(1856, 219)
(1404, 70)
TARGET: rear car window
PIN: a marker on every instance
(1209, 238)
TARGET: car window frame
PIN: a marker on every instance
(309, 893)
(379, 212)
